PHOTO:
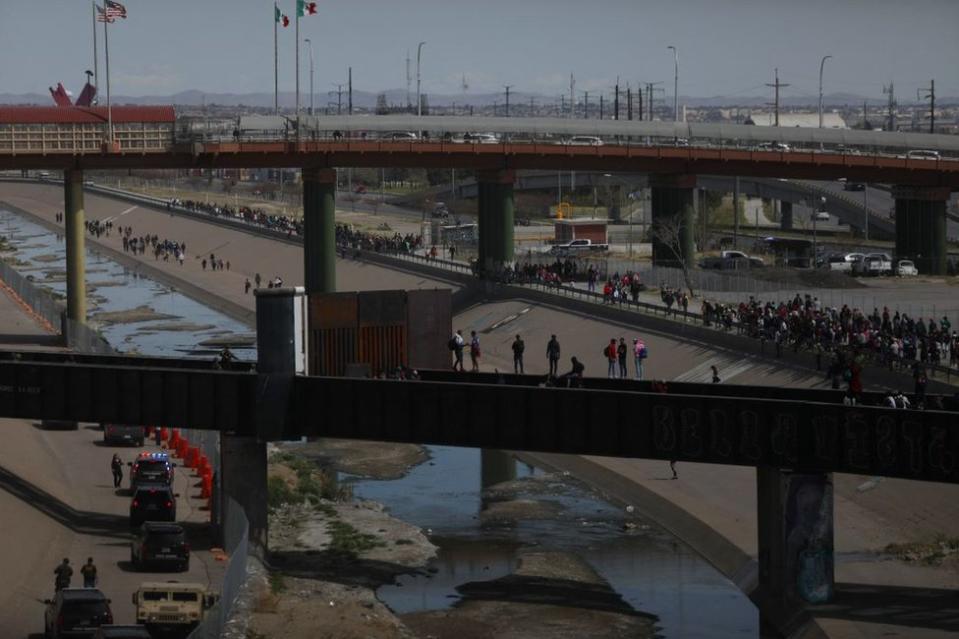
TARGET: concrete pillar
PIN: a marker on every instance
(674, 206)
(76, 252)
(921, 227)
(496, 467)
(795, 540)
(495, 209)
(785, 215)
(319, 230)
(281, 354)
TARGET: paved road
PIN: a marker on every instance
(57, 500)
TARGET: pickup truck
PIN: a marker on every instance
(575, 246)
(873, 264)
(731, 260)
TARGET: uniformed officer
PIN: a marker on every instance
(116, 465)
(63, 574)
(89, 572)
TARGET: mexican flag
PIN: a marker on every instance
(305, 8)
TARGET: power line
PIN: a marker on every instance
(778, 85)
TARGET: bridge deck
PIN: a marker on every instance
(719, 428)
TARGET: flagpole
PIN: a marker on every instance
(297, 63)
(96, 76)
(106, 49)
(276, 64)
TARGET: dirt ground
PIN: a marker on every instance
(366, 459)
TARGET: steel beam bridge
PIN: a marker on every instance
(799, 430)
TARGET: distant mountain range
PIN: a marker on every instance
(367, 99)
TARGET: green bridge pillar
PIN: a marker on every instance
(921, 227)
(495, 208)
(319, 230)
(673, 217)
(75, 231)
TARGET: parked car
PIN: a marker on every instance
(922, 154)
(152, 502)
(477, 138)
(76, 612)
(160, 543)
(584, 140)
(575, 246)
(906, 268)
(120, 434)
(873, 264)
(821, 216)
(399, 136)
(151, 468)
(843, 262)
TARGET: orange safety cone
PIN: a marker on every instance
(163, 433)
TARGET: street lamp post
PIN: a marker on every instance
(821, 65)
(419, 100)
(822, 201)
(310, 42)
(675, 83)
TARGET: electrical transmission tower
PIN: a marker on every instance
(931, 96)
(778, 85)
(891, 92)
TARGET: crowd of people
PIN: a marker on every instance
(349, 237)
(893, 339)
(258, 217)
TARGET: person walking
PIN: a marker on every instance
(456, 345)
(552, 354)
(257, 279)
(518, 348)
(474, 351)
(640, 353)
(621, 351)
(89, 572)
(716, 379)
(63, 573)
(116, 466)
(246, 286)
(611, 358)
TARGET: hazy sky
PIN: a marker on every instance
(726, 47)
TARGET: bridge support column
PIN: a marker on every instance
(673, 208)
(921, 227)
(319, 230)
(76, 252)
(495, 208)
(795, 540)
(785, 215)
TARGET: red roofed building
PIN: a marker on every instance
(84, 129)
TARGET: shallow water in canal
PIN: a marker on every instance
(645, 565)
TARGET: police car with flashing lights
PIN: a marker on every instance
(151, 468)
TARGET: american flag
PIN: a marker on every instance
(115, 10)
(103, 16)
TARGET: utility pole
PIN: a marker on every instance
(349, 87)
(639, 97)
(890, 91)
(629, 103)
(601, 114)
(409, 80)
(419, 99)
(931, 96)
(507, 87)
(616, 101)
(650, 87)
(586, 105)
(572, 94)
(675, 83)
(778, 85)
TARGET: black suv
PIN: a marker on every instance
(160, 543)
(152, 468)
(152, 502)
(76, 612)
